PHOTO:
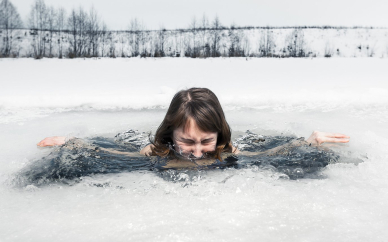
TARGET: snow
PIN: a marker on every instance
(268, 96)
(122, 83)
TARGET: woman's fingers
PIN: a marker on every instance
(51, 141)
(337, 135)
(335, 140)
(317, 138)
(42, 143)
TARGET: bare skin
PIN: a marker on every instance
(52, 141)
(112, 151)
(317, 138)
(193, 140)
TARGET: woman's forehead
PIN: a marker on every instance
(191, 130)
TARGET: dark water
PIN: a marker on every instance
(79, 158)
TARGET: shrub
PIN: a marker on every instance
(71, 55)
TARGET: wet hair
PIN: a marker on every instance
(200, 105)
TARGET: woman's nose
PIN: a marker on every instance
(197, 151)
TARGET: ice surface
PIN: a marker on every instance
(102, 97)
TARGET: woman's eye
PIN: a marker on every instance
(188, 142)
(207, 141)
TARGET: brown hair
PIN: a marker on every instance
(201, 105)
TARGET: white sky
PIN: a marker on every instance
(178, 13)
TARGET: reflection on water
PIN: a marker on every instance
(80, 158)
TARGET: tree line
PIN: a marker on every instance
(83, 33)
(52, 32)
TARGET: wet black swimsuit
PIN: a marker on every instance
(76, 159)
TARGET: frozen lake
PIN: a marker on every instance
(101, 97)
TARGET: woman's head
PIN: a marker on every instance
(194, 122)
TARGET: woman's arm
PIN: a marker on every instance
(277, 150)
(61, 140)
(316, 138)
(112, 151)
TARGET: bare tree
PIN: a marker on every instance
(103, 35)
(144, 38)
(78, 22)
(134, 36)
(266, 44)
(10, 21)
(329, 50)
(159, 43)
(216, 37)
(38, 26)
(83, 38)
(246, 46)
(51, 27)
(186, 41)
(72, 23)
(138, 38)
(235, 39)
(60, 23)
(203, 33)
(112, 46)
(178, 40)
(295, 43)
(93, 31)
(194, 28)
(122, 40)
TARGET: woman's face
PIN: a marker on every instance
(194, 141)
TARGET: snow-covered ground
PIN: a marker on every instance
(268, 96)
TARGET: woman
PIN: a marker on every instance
(195, 128)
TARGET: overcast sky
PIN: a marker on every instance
(178, 13)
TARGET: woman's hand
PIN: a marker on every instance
(147, 151)
(317, 138)
(52, 141)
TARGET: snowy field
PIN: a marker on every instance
(94, 97)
